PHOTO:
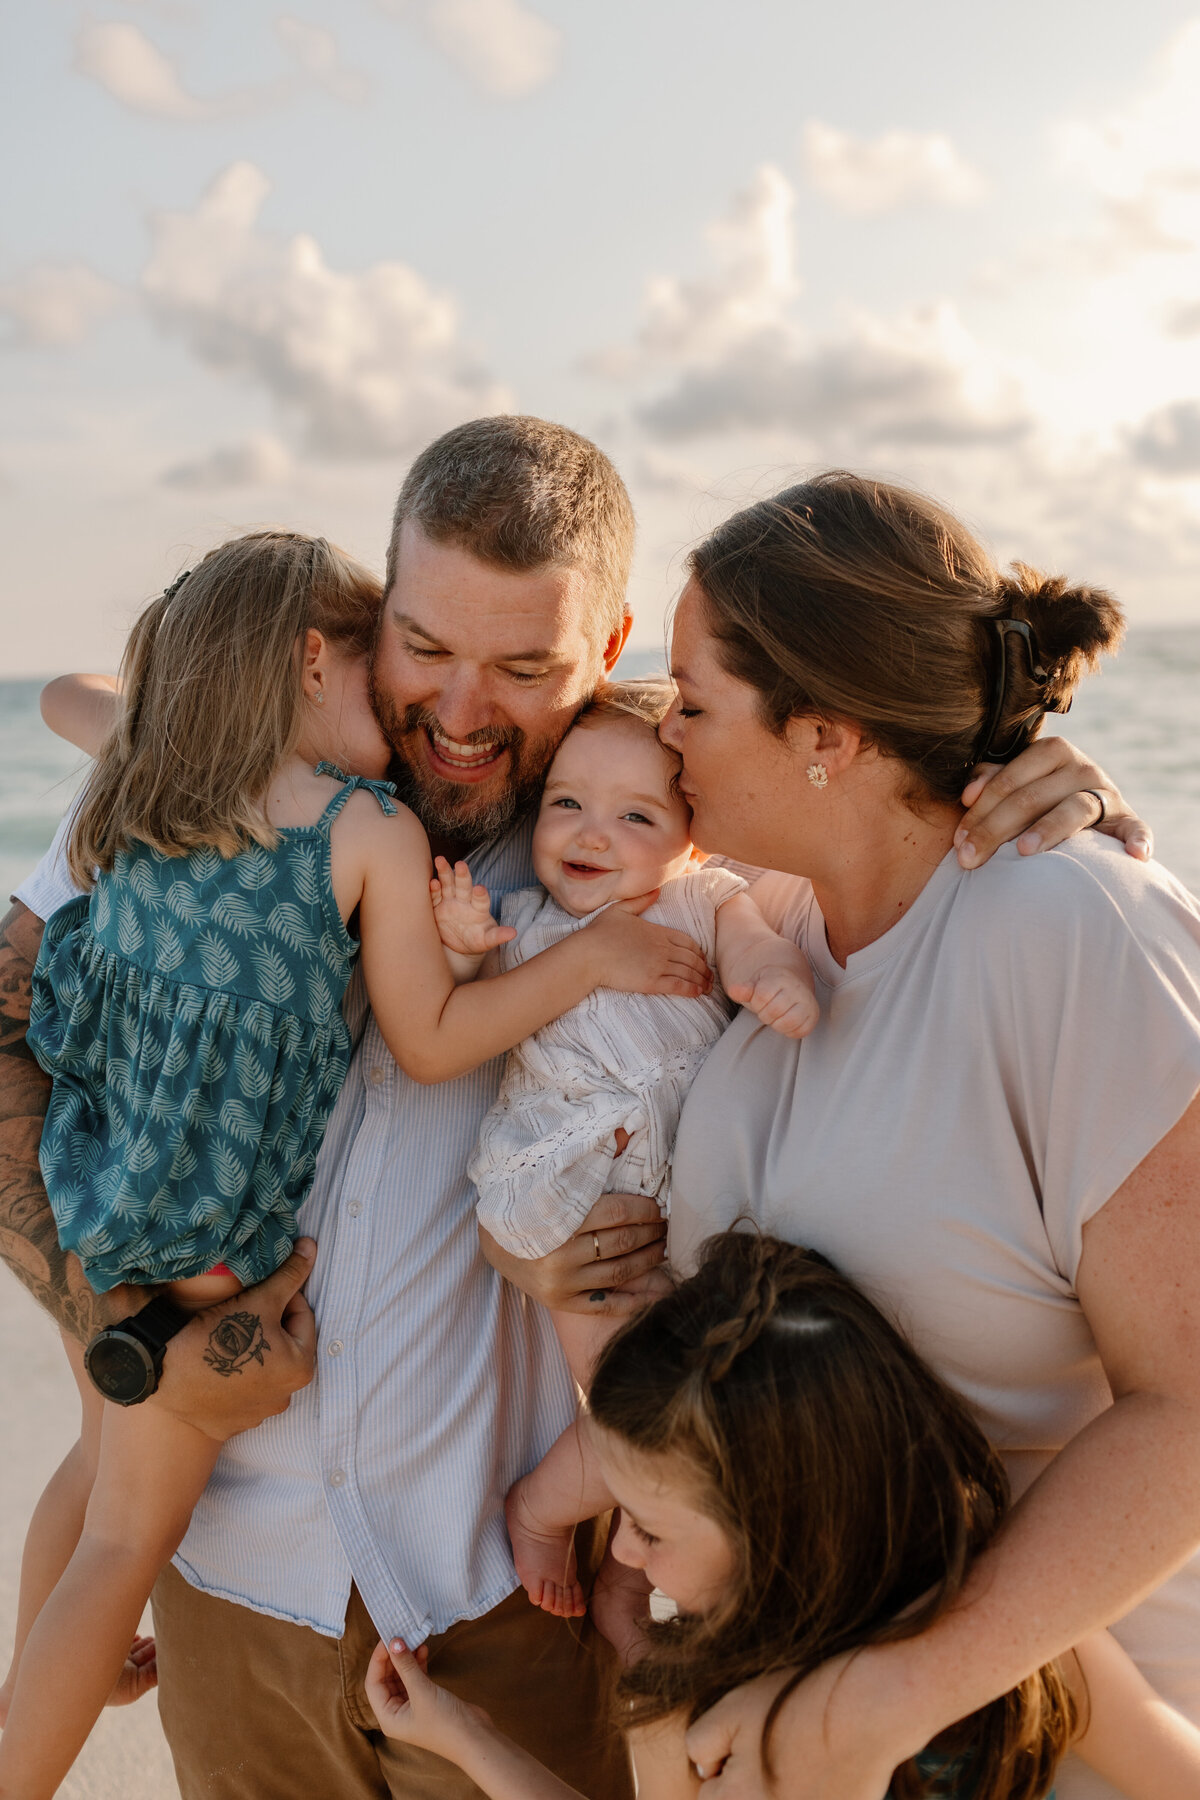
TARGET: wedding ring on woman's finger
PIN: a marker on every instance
(596, 1246)
(1101, 802)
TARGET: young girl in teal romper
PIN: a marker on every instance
(236, 847)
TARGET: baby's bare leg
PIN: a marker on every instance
(544, 1507)
(151, 1471)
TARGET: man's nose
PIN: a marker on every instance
(462, 703)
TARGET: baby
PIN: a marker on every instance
(590, 1103)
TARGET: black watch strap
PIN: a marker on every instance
(157, 1324)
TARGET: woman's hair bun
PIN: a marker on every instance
(1072, 626)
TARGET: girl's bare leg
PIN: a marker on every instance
(151, 1471)
(58, 1517)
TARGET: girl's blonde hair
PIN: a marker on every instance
(854, 1488)
(211, 692)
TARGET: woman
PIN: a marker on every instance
(1001, 1091)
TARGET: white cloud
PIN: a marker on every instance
(1169, 440)
(50, 304)
(502, 47)
(260, 461)
(876, 175)
(136, 72)
(739, 360)
(316, 51)
(367, 363)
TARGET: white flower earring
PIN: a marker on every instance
(818, 774)
(319, 697)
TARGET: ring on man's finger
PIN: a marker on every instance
(1101, 802)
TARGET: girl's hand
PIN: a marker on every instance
(415, 1710)
(823, 1738)
(635, 956)
(463, 912)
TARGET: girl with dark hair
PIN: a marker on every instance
(798, 1480)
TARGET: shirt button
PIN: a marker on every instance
(336, 1348)
(354, 1207)
(337, 1478)
(377, 1075)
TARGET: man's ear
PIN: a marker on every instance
(616, 643)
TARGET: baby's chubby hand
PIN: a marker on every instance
(781, 994)
(463, 911)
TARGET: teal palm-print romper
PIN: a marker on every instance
(189, 1010)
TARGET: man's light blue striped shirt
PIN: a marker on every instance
(437, 1383)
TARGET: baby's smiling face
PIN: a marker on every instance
(611, 825)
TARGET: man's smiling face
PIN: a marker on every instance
(476, 677)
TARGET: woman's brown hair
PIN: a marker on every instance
(846, 598)
(211, 692)
(853, 1486)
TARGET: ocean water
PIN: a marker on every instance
(1140, 719)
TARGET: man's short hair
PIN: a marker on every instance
(524, 494)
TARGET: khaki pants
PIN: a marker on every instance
(260, 1709)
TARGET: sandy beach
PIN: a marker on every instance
(126, 1757)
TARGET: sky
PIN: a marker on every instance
(252, 259)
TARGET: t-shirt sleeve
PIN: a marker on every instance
(50, 885)
(1102, 994)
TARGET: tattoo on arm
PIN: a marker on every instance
(28, 1239)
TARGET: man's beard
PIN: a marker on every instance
(455, 810)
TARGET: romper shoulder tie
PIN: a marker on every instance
(383, 791)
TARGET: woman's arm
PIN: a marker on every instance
(437, 1030)
(1130, 1735)
(1108, 1521)
(81, 708)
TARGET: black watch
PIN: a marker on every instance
(125, 1361)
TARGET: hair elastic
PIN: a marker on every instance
(985, 749)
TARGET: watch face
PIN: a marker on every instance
(120, 1367)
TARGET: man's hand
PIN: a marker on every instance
(239, 1363)
(1040, 798)
(630, 1234)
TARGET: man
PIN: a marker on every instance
(374, 1502)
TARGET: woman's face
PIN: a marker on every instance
(663, 1532)
(741, 781)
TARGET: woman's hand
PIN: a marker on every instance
(1042, 797)
(827, 1740)
(415, 1710)
(622, 1238)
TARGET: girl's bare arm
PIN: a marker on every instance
(1131, 1736)
(81, 708)
(763, 971)
(436, 1030)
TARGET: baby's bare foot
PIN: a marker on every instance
(545, 1558)
(139, 1675)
